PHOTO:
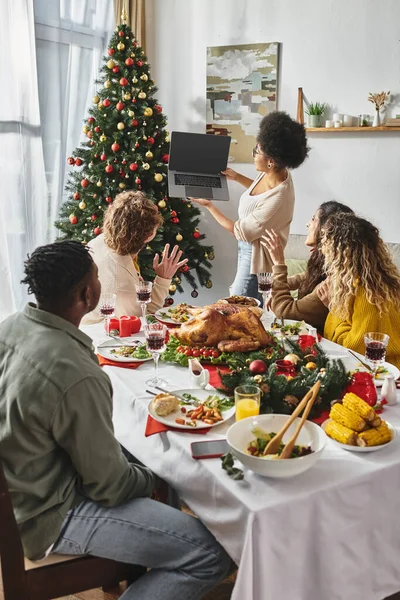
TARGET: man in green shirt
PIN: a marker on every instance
(72, 488)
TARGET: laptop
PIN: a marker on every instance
(195, 164)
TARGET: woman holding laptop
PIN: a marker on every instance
(268, 201)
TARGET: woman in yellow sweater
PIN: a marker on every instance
(362, 290)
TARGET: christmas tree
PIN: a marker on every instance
(127, 147)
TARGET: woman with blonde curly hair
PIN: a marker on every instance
(130, 223)
(362, 289)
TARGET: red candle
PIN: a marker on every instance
(135, 324)
(124, 327)
(285, 367)
(111, 324)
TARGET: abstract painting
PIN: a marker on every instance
(241, 90)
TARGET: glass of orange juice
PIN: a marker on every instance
(247, 401)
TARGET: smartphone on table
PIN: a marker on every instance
(209, 448)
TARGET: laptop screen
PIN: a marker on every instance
(198, 152)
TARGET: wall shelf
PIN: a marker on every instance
(350, 129)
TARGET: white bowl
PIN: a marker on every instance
(239, 435)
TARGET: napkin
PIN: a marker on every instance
(215, 379)
(153, 426)
(105, 362)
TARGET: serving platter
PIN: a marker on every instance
(361, 448)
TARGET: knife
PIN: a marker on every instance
(360, 361)
(181, 398)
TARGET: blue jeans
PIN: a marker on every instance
(245, 284)
(184, 559)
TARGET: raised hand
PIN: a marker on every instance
(272, 242)
(169, 264)
(230, 174)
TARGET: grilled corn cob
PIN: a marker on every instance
(375, 437)
(340, 433)
(376, 422)
(359, 406)
(346, 417)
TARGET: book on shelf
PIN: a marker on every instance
(393, 122)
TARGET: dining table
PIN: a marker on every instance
(331, 533)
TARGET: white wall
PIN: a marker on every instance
(337, 50)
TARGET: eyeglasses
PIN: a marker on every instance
(255, 151)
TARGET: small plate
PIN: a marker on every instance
(105, 352)
(352, 364)
(360, 448)
(201, 395)
(278, 334)
(165, 316)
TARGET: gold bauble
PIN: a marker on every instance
(293, 358)
(122, 186)
(257, 378)
(121, 126)
(311, 366)
(131, 113)
(209, 284)
(144, 77)
(99, 184)
(107, 84)
(121, 46)
(177, 280)
(189, 205)
(148, 112)
(149, 154)
(162, 204)
(146, 166)
(82, 205)
(158, 177)
(211, 255)
(142, 95)
(96, 99)
(85, 129)
(132, 55)
(110, 64)
(127, 96)
(100, 105)
(167, 138)
(178, 237)
(134, 80)
(103, 138)
(172, 288)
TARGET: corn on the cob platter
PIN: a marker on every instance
(355, 426)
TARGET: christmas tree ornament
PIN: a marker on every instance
(84, 232)
(94, 195)
(116, 69)
(150, 140)
(97, 230)
(196, 235)
(91, 143)
(134, 44)
(162, 204)
(209, 284)
(144, 123)
(139, 63)
(138, 181)
(85, 129)
(120, 106)
(142, 95)
(100, 105)
(174, 213)
(133, 167)
(121, 126)
(122, 186)
(115, 147)
(109, 169)
(124, 162)
(123, 81)
(107, 84)
(111, 51)
(122, 173)
(99, 183)
(103, 156)
(158, 177)
(73, 219)
(148, 155)
(108, 199)
(134, 80)
(134, 100)
(95, 99)
(106, 102)
(177, 280)
(82, 205)
(91, 120)
(167, 138)
(135, 123)
(158, 108)
(211, 255)
(91, 165)
(89, 134)
(178, 237)
(110, 65)
(133, 55)
(184, 269)
(165, 158)
(121, 46)
(174, 220)
(172, 288)
(131, 113)
(194, 293)
(70, 160)
(144, 77)
(146, 166)
(137, 145)
(78, 161)
(129, 62)
(84, 183)
(148, 111)
(127, 96)
(121, 33)
(76, 196)
(189, 205)
(97, 129)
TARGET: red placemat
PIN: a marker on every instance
(215, 379)
(153, 426)
(104, 362)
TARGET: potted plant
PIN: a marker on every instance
(315, 110)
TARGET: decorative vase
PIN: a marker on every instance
(362, 384)
(314, 120)
(377, 119)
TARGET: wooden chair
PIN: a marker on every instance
(55, 576)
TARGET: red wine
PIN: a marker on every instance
(375, 351)
(106, 310)
(143, 296)
(265, 286)
(155, 342)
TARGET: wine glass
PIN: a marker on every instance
(375, 349)
(265, 288)
(143, 294)
(107, 307)
(155, 343)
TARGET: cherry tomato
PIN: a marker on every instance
(189, 352)
(196, 353)
(180, 349)
(216, 353)
(203, 351)
(208, 353)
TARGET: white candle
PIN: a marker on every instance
(338, 124)
(329, 124)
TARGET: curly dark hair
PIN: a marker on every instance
(283, 139)
(315, 267)
(54, 272)
(129, 221)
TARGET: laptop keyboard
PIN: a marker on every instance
(201, 180)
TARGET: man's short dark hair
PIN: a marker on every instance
(283, 139)
(53, 272)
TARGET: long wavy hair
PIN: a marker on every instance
(356, 257)
(315, 266)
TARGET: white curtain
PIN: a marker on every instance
(51, 53)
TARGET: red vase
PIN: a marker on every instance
(362, 384)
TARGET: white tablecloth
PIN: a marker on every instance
(332, 533)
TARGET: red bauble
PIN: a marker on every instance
(96, 156)
(137, 145)
(124, 162)
(120, 106)
(103, 156)
(121, 33)
(97, 129)
(139, 63)
(89, 134)
(91, 120)
(78, 161)
(109, 169)
(129, 62)
(106, 102)
(134, 44)
(133, 167)
(122, 173)
(116, 69)
(115, 160)
(184, 269)
(174, 213)
(93, 217)
(70, 160)
(175, 220)
(196, 235)
(73, 219)
(165, 158)
(123, 81)
(150, 140)
(91, 143)
(158, 108)
(257, 367)
(135, 123)
(97, 230)
(108, 199)
(111, 51)
(76, 196)
(138, 181)
(133, 100)
(115, 147)
(84, 183)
